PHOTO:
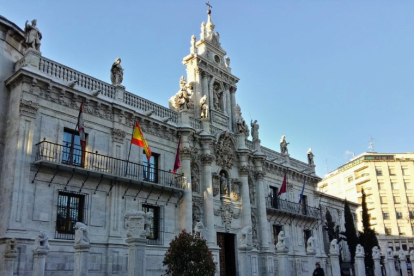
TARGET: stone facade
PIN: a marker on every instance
(49, 184)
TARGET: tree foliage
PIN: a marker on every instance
(367, 237)
(350, 231)
(189, 255)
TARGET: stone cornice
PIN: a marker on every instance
(28, 108)
(220, 74)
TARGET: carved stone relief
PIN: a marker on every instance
(118, 135)
(235, 189)
(227, 215)
(216, 184)
(225, 151)
(28, 108)
(195, 178)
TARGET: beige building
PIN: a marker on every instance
(387, 179)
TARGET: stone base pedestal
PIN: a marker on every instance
(359, 266)
(283, 263)
(119, 94)
(266, 263)
(241, 141)
(8, 265)
(390, 267)
(256, 145)
(81, 260)
(336, 267)
(136, 256)
(311, 256)
(205, 124)
(31, 59)
(403, 265)
(39, 262)
(245, 261)
(215, 250)
(184, 118)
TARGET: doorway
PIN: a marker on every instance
(226, 243)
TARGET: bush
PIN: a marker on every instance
(189, 255)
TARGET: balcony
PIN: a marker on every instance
(277, 207)
(80, 161)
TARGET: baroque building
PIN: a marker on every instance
(387, 180)
(226, 182)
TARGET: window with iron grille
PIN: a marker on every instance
(156, 228)
(71, 208)
(150, 167)
(72, 153)
(276, 230)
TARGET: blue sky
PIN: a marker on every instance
(328, 74)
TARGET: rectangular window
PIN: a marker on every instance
(304, 204)
(384, 200)
(388, 230)
(359, 188)
(276, 230)
(410, 199)
(404, 246)
(398, 213)
(391, 245)
(407, 185)
(349, 179)
(391, 170)
(395, 186)
(385, 214)
(378, 171)
(151, 167)
(306, 235)
(397, 199)
(72, 153)
(411, 213)
(381, 186)
(402, 230)
(405, 171)
(274, 191)
(153, 229)
(70, 209)
(397, 245)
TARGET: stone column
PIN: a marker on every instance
(10, 256)
(82, 246)
(228, 102)
(186, 204)
(137, 221)
(207, 159)
(403, 262)
(390, 263)
(233, 107)
(41, 248)
(246, 217)
(359, 261)
(282, 250)
(376, 256)
(205, 90)
(334, 256)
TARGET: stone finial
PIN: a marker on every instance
(283, 146)
(390, 253)
(376, 253)
(81, 234)
(117, 73)
(401, 255)
(32, 35)
(246, 237)
(11, 247)
(360, 252)
(137, 222)
(204, 107)
(41, 243)
(310, 157)
(334, 247)
(310, 245)
(282, 242)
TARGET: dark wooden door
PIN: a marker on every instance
(227, 254)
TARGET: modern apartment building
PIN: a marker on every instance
(387, 179)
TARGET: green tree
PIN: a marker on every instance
(189, 255)
(367, 237)
(350, 231)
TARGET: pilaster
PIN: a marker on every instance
(233, 90)
(185, 207)
(246, 219)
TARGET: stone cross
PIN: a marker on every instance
(208, 5)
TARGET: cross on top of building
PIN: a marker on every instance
(209, 7)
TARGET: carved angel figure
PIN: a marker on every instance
(117, 73)
(81, 234)
(41, 242)
(246, 237)
(255, 130)
(310, 157)
(334, 247)
(360, 251)
(242, 127)
(224, 185)
(204, 107)
(282, 242)
(283, 146)
(32, 35)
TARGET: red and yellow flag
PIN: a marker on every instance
(139, 140)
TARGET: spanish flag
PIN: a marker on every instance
(139, 140)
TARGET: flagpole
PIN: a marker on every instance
(129, 153)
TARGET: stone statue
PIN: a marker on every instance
(216, 97)
(227, 62)
(310, 157)
(81, 234)
(334, 247)
(41, 242)
(246, 237)
(255, 130)
(224, 185)
(401, 254)
(193, 45)
(182, 100)
(11, 247)
(283, 146)
(200, 230)
(390, 253)
(310, 245)
(376, 253)
(194, 180)
(242, 127)
(360, 252)
(282, 242)
(117, 73)
(204, 107)
(138, 223)
(32, 35)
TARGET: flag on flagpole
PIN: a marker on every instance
(303, 189)
(139, 140)
(283, 188)
(177, 163)
(81, 127)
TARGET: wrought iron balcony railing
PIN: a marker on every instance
(292, 208)
(74, 156)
